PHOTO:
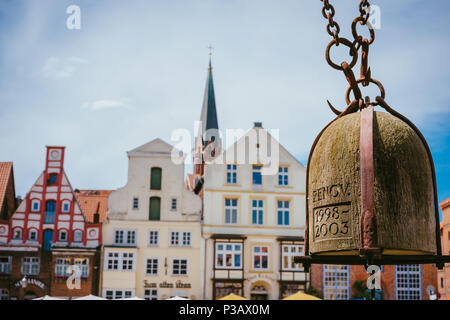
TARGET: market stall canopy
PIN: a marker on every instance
(178, 298)
(301, 296)
(49, 298)
(90, 297)
(232, 296)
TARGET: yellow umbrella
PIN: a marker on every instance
(301, 296)
(232, 296)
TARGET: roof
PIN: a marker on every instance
(93, 201)
(5, 175)
(208, 116)
(444, 204)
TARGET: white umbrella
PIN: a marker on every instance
(48, 298)
(132, 298)
(178, 298)
(89, 297)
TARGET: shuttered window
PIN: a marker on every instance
(155, 208)
(155, 179)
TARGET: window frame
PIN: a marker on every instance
(232, 252)
(124, 238)
(151, 265)
(285, 212)
(231, 174)
(257, 169)
(6, 267)
(258, 210)
(119, 261)
(261, 255)
(179, 267)
(151, 294)
(28, 266)
(290, 257)
(332, 270)
(283, 175)
(135, 203)
(156, 236)
(230, 210)
(407, 291)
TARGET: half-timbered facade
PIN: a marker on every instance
(47, 246)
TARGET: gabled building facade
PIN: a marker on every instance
(153, 246)
(48, 239)
(254, 222)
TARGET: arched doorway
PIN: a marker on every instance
(30, 295)
(259, 291)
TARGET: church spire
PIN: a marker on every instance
(208, 116)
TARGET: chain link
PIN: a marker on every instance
(358, 43)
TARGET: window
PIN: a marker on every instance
(63, 236)
(17, 235)
(50, 208)
(117, 294)
(135, 203)
(66, 206)
(153, 238)
(408, 280)
(231, 174)
(288, 252)
(173, 204)
(151, 294)
(231, 211)
(180, 238)
(257, 177)
(260, 258)
(83, 264)
(257, 212)
(283, 176)
(52, 179)
(120, 261)
(283, 212)
(179, 267)
(155, 179)
(4, 294)
(5, 265)
(77, 236)
(32, 236)
(30, 266)
(125, 237)
(35, 205)
(155, 208)
(228, 255)
(62, 267)
(152, 266)
(336, 282)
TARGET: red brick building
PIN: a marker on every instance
(444, 275)
(397, 282)
(47, 247)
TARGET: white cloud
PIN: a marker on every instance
(104, 104)
(57, 68)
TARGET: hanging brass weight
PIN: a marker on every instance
(370, 188)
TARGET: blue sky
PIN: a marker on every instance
(136, 71)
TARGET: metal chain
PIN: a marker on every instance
(354, 46)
